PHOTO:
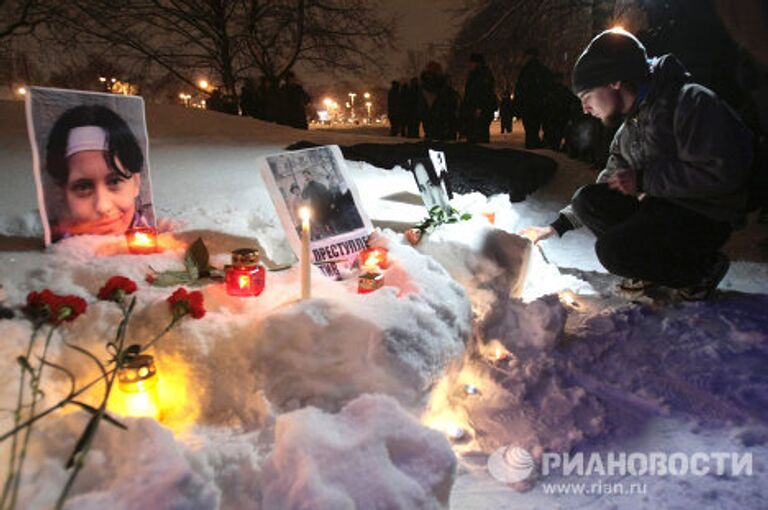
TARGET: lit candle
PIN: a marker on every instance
(245, 277)
(454, 432)
(567, 297)
(370, 281)
(141, 240)
(137, 379)
(304, 214)
(503, 358)
(373, 259)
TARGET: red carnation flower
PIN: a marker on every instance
(70, 308)
(117, 288)
(46, 306)
(183, 303)
(41, 306)
(413, 235)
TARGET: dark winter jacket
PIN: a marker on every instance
(480, 92)
(685, 144)
(531, 87)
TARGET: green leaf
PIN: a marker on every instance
(85, 439)
(172, 278)
(95, 411)
(197, 257)
(466, 216)
(218, 273)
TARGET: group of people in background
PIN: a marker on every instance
(430, 101)
(281, 101)
(551, 114)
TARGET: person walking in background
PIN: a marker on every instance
(479, 100)
(410, 104)
(532, 82)
(506, 112)
(294, 101)
(560, 106)
(437, 104)
(394, 109)
(248, 100)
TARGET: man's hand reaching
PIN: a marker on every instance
(624, 181)
(536, 234)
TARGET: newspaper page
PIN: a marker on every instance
(317, 178)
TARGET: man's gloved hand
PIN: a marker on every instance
(624, 181)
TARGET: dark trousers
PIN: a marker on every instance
(532, 125)
(651, 239)
(506, 124)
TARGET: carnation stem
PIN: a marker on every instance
(28, 433)
(12, 474)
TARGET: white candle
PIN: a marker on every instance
(304, 213)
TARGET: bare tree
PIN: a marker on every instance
(21, 17)
(231, 38)
(503, 29)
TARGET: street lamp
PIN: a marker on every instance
(203, 84)
(185, 97)
(22, 91)
(368, 105)
(352, 97)
(367, 95)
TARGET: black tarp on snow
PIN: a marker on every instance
(471, 167)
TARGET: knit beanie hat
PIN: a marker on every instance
(613, 55)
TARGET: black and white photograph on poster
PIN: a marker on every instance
(317, 178)
(90, 159)
(431, 176)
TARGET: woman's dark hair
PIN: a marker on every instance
(120, 141)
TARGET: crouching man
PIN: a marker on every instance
(674, 185)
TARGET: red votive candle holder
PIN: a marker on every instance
(141, 240)
(246, 276)
(370, 281)
(372, 259)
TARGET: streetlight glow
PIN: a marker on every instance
(203, 84)
(22, 91)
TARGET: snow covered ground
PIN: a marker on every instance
(322, 404)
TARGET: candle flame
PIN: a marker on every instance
(168, 396)
(142, 239)
(569, 298)
(304, 214)
(373, 260)
(243, 281)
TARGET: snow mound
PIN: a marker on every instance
(490, 263)
(397, 340)
(372, 454)
(142, 467)
(511, 390)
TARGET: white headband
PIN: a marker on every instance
(86, 138)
